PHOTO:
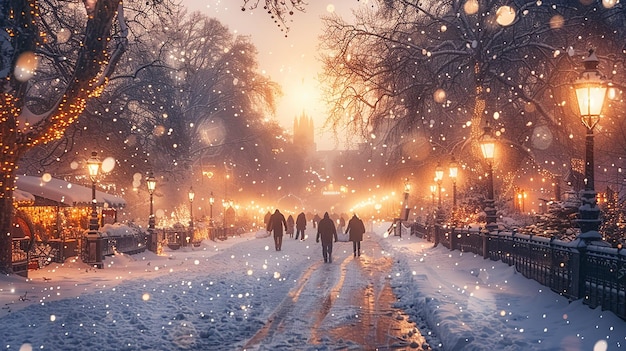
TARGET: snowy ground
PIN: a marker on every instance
(229, 295)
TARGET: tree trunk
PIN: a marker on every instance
(90, 76)
(7, 183)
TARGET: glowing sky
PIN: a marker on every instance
(290, 61)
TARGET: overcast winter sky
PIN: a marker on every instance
(290, 61)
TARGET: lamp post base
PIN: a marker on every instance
(589, 217)
(93, 248)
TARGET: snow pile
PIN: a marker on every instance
(471, 303)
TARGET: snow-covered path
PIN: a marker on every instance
(346, 304)
(241, 294)
(238, 294)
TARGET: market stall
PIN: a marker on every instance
(59, 213)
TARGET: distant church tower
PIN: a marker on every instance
(303, 133)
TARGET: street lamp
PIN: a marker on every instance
(93, 165)
(438, 179)
(488, 147)
(433, 189)
(151, 183)
(151, 239)
(591, 89)
(211, 202)
(191, 195)
(93, 249)
(454, 172)
(407, 189)
(521, 197)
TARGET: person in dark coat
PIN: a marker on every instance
(356, 229)
(290, 226)
(327, 231)
(300, 225)
(276, 224)
(266, 220)
(316, 220)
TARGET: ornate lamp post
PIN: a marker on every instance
(211, 202)
(94, 240)
(521, 196)
(454, 172)
(407, 189)
(151, 239)
(93, 165)
(591, 89)
(151, 183)
(191, 195)
(488, 147)
(438, 179)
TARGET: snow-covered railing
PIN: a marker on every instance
(576, 270)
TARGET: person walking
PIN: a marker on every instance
(327, 231)
(356, 229)
(276, 224)
(300, 226)
(342, 224)
(316, 220)
(266, 220)
(290, 225)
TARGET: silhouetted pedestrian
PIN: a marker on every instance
(300, 225)
(342, 224)
(356, 229)
(316, 220)
(276, 224)
(327, 231)
(290, 226)
(266, 220)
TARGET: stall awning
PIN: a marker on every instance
(23, 196)
(65, 193)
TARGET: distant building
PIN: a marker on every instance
(304, 134)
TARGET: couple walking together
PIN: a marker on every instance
(276, 222)
(327, 231)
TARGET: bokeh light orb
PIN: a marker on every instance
(609, 3)
(505, 15)
(46, 177)
(557, 21)
(471, 7)
(439, 96)
(108, 164)
(25, 66)
(542, 137)
(158, 130)
(601, 345)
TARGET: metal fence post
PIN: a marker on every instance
(578, 271)
(485, 234)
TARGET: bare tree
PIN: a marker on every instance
(425, 76)
(77, 56)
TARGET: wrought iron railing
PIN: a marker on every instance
(576, 270)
